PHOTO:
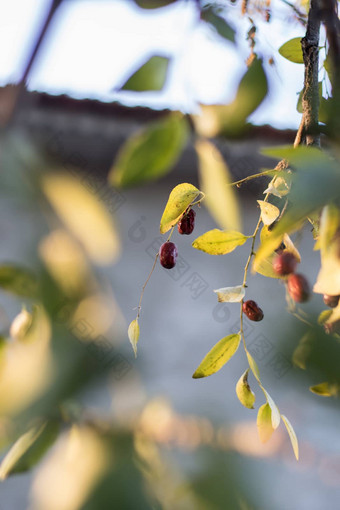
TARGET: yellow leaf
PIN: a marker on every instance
(218, 356)
(230, 294)
(84, 215)
(243, 391)
(292, 436)
(275, 413)
(325, 389)
(29, 448)
(133, 333)
(253, 366)
(328, 280)
(215, 181)
(280, 184)
(264, 423)
(290, 247)
(219, 242)
(179, 200)
(269, 212)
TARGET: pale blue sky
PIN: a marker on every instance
(93, 46)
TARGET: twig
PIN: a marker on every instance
(21, 87)
(250, 177)
(301, 17)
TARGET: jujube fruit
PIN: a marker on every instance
(168, 254)
(331, 301)
(252, 310)
(285, 263)
(187, 223)
(298, 288)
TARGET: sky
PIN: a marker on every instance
(94, 45)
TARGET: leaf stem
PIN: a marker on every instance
(244, 283)
(145, 284)
(139, 307)
(198, 201)
(250, 177)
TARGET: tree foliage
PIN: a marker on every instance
(49, 355)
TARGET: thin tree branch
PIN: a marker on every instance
(20, 89)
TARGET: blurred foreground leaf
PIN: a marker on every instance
(328, 280)
(29, 448)
(153, 4)
(150, 76)
(221, 26)
(84, 215)
(316, 182)
(230, 119)
(151, 152)
(325, 389)
(17, 280)
(215, 179)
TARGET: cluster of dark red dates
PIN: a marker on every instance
(284, 264)
(168, 252)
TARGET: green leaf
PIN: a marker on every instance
(17, 280)
(84, 215)
(230, 294)
(153, 4)
(209, 15)
(215, 181)
(325, 389)
(269, 212)
(324, 316)
(253, 366)
(316, 182)
(292, 50)
(133, 334)
(275, 413)
(251, 91)
(29, 448)
(179, 200)
(151, 152)
(150, 76)
(231, 119)
(243, 391)
(303, 350)
(218, 356)
(292, 436)
(219, 242)
(264, 423)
